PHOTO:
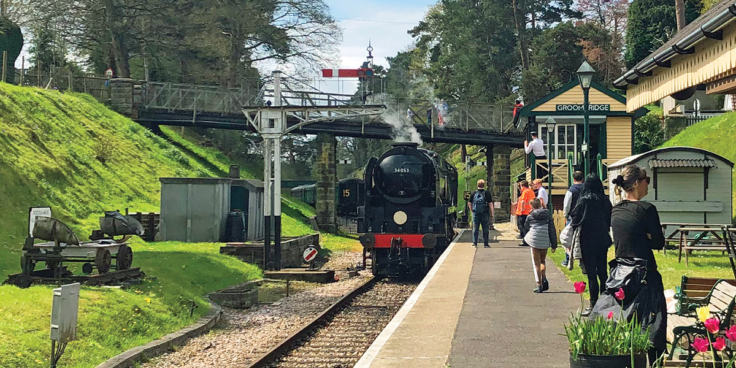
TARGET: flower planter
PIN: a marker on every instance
(608, 361)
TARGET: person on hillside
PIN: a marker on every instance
(637, 231)
(536, 147)
(571, 199)
(592, 215)
(523, 209)
(541, 192)
(540, 237)
(481, 205)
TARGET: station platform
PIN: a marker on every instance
(476, 308)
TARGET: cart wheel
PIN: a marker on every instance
(103, 260)
(87, 268)
(23, 281)
(27, 265)
(124, 258)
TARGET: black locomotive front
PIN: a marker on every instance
(411, 194)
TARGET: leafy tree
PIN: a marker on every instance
(648, 132)
(11, 40)
(650, 24)
(45, 48)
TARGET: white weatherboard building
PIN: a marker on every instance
(688, 185)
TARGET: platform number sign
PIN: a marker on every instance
(310, 254)
(35, 212)
(346, 193)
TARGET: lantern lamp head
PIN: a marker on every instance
(585, 75)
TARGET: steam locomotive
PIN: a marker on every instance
(409, 211)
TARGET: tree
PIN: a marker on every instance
(11, 41)
(45, 48)
(648, 132)
(650, 24)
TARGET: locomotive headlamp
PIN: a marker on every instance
(400, 217)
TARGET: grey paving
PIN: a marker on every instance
(502, 322)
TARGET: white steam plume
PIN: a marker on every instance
(401, 127)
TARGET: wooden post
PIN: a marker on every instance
(5, 65)
(71, 85)
(38, 71)
(22, 69)
(151, 226)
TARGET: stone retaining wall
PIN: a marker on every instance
(291, 250)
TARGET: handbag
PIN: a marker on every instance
(566, 237)
(629, 274)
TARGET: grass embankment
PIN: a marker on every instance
(702, 264)
(710, 135)
(71, 153)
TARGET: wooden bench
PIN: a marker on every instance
(692, 291)
(700, 242)
(673, 240)
(721, 300)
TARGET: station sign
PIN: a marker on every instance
(579, 107)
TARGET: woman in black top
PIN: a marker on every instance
(593, 213)
(636, 232)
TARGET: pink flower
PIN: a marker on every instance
(719, 344)
(580, 287)
(700, 345)
(712, 325)
(620, 294)
(610, 315)
(731, 333)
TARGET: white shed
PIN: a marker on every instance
(688, 185)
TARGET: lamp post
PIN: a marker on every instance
(585, 76)
(551, 123)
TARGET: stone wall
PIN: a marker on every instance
(326, 182)
(500, 178)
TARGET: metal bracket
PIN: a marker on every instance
(682, 51)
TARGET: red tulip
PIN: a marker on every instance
(719, 344)
(610, 315)
(700, 345)
(731, 333)
(620, 294)
(580, 287)
(712, 325)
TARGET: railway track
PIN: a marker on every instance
(342, 333)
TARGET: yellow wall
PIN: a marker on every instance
(712, 60)
(618, 134)
(575, 96)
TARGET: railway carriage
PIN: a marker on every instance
(409, 211)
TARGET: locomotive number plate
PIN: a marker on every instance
(346, 193)
(401, 170)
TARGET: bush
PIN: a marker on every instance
(104, 149)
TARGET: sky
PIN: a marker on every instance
(382, 22)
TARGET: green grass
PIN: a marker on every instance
(69, 152)
(702, 264)
(710, 135)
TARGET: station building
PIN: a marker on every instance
(559, 120)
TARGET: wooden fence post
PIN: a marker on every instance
(22, 69)
(151, 235)
(5, 65)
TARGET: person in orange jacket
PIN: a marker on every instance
(523, 209)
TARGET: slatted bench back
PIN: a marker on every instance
(722, 299)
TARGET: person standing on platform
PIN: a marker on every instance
(541, 192)
(523, 209)
(536, 147)
(541, 236)
(571, 199)
(592, 215)
(637, 231)
(481, 204)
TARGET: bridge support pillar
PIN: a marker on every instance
(121, 96)
(326, 182)
(499, 176)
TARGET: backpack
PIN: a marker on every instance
(479, 202)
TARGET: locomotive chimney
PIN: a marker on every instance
(405, 144)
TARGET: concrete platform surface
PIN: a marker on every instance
(503, 323)
(420, 335)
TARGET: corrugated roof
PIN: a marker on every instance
(699, 151)
(681, 163)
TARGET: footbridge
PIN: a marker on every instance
(378, 116)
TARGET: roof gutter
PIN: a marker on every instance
(681, 47)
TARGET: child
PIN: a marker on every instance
(541, 236)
